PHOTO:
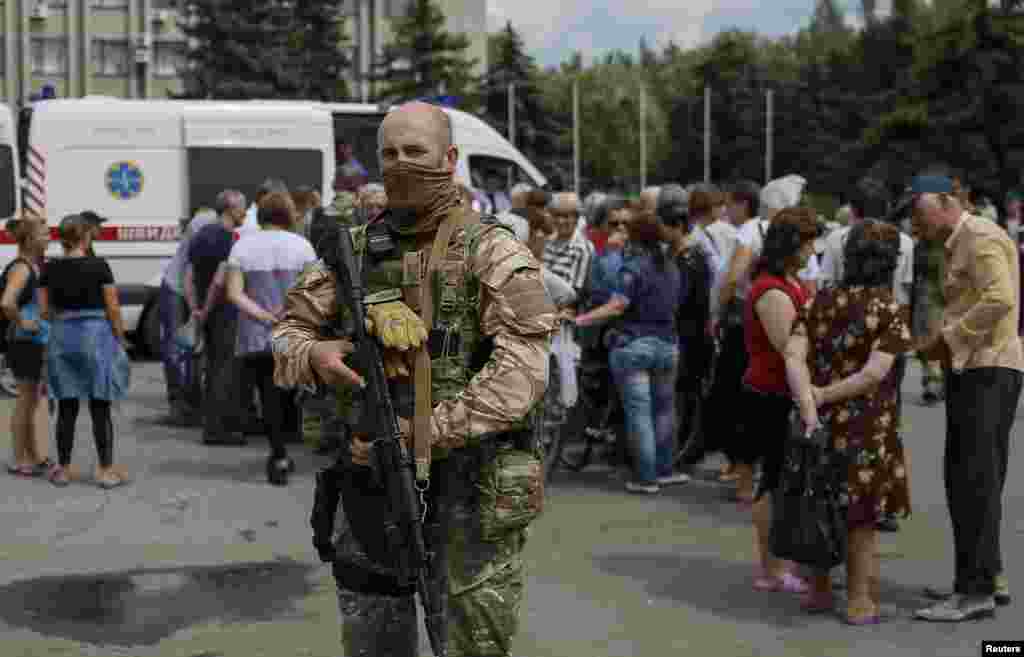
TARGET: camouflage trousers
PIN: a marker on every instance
(485, 582)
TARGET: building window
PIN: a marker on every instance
(49, 56)
(3, 56)
(109, 4)
(168, 58)
(110, 58)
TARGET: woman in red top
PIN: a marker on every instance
(775, 296)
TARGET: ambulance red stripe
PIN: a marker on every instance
(141, 233)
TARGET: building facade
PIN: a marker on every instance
(134, 49)
(123, 48)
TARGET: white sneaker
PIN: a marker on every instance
(674, 479)
(635, 487)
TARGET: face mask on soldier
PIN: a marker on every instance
(413, 190)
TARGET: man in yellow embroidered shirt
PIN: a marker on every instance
(984, 366)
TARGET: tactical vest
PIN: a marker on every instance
(502, 483)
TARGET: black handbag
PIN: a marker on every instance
(808, 516)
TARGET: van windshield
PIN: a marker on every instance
(211, 170)
(355, 140)
(8, 185)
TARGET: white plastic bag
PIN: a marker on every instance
(187, 335)
(567, 354)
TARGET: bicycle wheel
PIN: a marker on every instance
(588, 428)
(552, 445)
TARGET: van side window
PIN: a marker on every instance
(211, 170)
(8, 198)
(487, 171)
(355, 149)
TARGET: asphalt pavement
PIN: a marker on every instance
(199, 557)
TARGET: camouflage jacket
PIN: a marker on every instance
(500, 292)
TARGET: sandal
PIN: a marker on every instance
(20, 470)
(785, 583)
(58, 476)
(871, 617)
(40, 469)
(110, 480)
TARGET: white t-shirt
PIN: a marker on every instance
(270, 261)
(832, 265)
(751, 235)
(718, 240)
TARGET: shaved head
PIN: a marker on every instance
(430, 121)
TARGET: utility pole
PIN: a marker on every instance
(512, 113)
(576, 135)
(707, 135)
(769, 133)
(643, 138)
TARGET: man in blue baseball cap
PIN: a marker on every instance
(983, 363)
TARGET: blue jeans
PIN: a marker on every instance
(645, 373)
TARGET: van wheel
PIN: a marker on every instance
(148, 338)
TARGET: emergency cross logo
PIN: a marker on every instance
(124, 180)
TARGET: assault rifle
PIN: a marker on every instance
(403, 516)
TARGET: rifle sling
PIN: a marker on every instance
(424, 406)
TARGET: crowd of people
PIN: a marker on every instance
(718, 297)
(744, 298)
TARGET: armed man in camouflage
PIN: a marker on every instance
(482, 358)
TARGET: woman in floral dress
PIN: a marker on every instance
(839, 363)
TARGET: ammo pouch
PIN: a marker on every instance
(511, 489)
(365, 503)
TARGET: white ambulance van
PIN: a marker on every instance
(482, 149)
(10, 203)
(147, 166)
(10, 200)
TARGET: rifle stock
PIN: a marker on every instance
(391, 461)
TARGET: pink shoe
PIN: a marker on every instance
(787, 583)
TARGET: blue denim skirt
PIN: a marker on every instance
(84, 359)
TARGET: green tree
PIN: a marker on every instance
(610, 93)
(424, 59)
(969, 68)
(508, 63)
(320, 43)
(263, 49)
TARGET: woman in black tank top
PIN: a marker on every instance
(25, 346)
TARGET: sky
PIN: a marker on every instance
(553, 29)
